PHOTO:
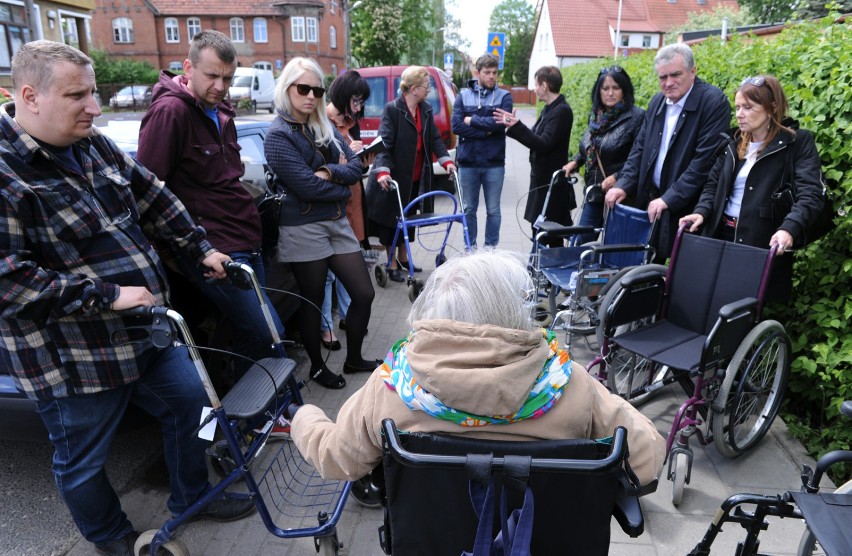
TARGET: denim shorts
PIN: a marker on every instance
(316, 241)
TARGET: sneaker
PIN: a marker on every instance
(119, 547)
(226, 509)
(280, 430)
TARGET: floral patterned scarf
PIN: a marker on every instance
(548, 387)
(598, 126)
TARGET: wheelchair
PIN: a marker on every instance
(699, 326)
(584, 272)
(439, 493)
(827, 516)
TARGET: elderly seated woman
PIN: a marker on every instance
(474, 364)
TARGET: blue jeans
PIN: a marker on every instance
(252, 337)
(343, 301)
(491, 181)
(592, 215)
(82, 428)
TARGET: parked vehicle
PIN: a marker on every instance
(132, 96)
(384, 87)
(257, 85)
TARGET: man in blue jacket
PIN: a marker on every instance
(481, 154)
(672, 156)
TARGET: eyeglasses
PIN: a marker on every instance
(616, 69)
(756, 81)
(427, 87)
(303, 90)
(357, 101)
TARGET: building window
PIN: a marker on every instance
(69, 31)
(237, 32)
(332, 36)
(334, 70)
(172, 30)
(262, 65)
(260, 30)
(625, 40)
(175, 66)
(193, 26)
(646, 41)
(311, 25)
(297, 29)
(13, 33)
(122, 30)
(333, 6)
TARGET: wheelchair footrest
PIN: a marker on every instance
(258, 387)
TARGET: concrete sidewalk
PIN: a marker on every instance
(773, 467)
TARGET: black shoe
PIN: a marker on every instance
(119, 547)
(404, 264)
(365, 367)
(342, 326)
(331, 345)
(226, 509)
(326, 378)
(395, 275)
(366, 493)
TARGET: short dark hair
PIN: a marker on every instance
(348, 85)
(487, 61)
(219, 42)
(550, 75)
(622, 79)
(33, 63)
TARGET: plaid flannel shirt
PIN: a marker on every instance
(67, 243)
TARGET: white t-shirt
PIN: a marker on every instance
(735, 201)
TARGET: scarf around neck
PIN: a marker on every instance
(546, 391)
(598, 126)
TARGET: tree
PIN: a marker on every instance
(516, 18)
(384, 32)
(700, 21)
(769, 11)
(810, 9)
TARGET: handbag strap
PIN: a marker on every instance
(600, 164)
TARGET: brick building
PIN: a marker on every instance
(266, 34)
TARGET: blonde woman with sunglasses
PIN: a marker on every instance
(314, 166)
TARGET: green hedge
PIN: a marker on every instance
(812, 60)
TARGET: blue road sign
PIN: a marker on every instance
(448, 60)
(497, 46)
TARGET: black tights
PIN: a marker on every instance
(352, 272)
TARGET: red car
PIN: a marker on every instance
(384, 87)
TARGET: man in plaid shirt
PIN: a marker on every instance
(72, 256)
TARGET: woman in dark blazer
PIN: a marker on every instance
(410, 137)
(548, 144)
(741, 203)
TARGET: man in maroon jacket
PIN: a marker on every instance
(189, 140)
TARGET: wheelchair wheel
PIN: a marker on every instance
(327, 546)
(414, 290)
(541, 314)
(626, 371)
(750, 395)
(173, 547)
(440, 259)
(381, 275)
(681, 464)
(808, 545)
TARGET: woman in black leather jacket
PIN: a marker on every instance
(614, 123)
(768, 153)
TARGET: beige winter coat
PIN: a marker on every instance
(484, 370)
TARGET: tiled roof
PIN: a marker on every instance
(582, 27)
(227, 7)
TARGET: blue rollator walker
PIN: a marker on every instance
(407, 219)
(281, 481)
(584, 272)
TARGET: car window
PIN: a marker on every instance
(378, 97)
(241, 81)
(252, 149)
(433, 94)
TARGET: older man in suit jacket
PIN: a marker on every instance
(672, 156)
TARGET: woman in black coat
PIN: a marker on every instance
(548, 144)
(741, 201)
(410, 137)
(613, 125)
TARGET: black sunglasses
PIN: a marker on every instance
(303, 90)
(616, 69)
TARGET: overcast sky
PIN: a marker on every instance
(474, 16)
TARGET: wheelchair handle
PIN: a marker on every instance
(617, 455)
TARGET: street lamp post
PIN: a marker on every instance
(347, 23)
(435, 43)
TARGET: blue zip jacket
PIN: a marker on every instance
(482, 143)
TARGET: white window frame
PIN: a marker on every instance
(122, 30)
(172, 29)
(238, 29)
(311, 29)
(259, 29)
(334, 70)
(297, 29)
(333, 7)
(332, 37)
(647, 41)
(193, 27)
(625, 40)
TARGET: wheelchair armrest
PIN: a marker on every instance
(553, 229)
(635, 279)
(737, 309)
(618, 248)
(628, 513)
